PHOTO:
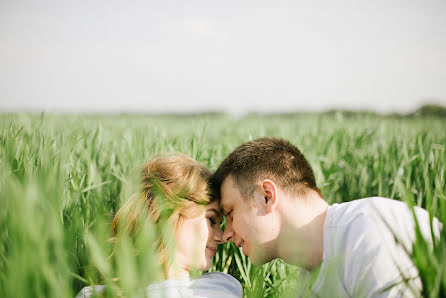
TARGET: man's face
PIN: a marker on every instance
(248, 224)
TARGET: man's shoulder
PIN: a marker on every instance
(377, 222)
(366, 202)
(368, 223)
(371, 238)
(342, 214)
(368, 209)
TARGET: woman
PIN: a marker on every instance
(174, 194)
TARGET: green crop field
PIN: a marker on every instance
(63, 177)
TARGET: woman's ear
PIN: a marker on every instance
(270, 195)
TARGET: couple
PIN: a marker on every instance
(266, 189)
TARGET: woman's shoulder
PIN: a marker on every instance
(224, 280)
(218, 276)
(211, 284)
(88, 292)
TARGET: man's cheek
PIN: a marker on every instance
(238, 227)
(234, 226)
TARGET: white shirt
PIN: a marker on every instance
(212, 284)
(361, 257)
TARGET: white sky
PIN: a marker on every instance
(231, 55)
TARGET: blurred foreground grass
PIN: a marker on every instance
(63, 177)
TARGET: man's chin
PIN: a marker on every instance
(258, 259)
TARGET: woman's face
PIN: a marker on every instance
(197, 238)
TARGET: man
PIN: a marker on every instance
(274, 209)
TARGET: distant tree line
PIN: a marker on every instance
(426, 110)
(431, 110)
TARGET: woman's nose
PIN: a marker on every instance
(218, 236)
(228, 233)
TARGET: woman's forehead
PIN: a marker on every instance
(214, 206)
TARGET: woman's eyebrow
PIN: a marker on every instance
(223, 208)
(216, 211)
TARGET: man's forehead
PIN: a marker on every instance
(223, 205)
(225, 198)
(228, 187)
(229, 192)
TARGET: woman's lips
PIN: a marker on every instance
(211, 249)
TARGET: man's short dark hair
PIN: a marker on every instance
(268, 157)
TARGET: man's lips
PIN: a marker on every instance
(239, 244)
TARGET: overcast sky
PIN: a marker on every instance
(233, 55)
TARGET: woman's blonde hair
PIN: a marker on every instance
(171, 185)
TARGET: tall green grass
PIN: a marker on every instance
(63, 177)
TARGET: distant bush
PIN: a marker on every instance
(431, 110)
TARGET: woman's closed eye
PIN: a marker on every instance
(212, 221)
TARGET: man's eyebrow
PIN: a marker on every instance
(216, 211)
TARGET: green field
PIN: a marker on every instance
(63, 177)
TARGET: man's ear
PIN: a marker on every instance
(270, 195)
